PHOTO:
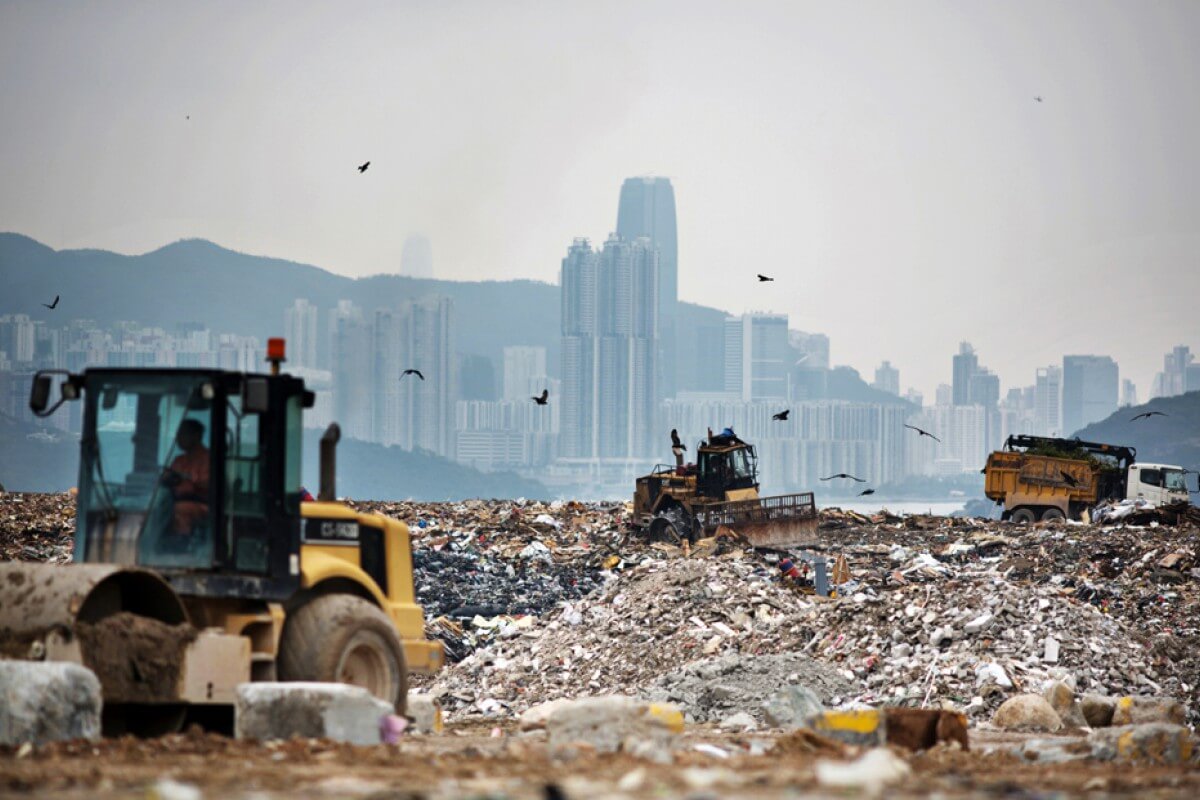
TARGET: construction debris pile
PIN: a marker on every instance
(36, 527)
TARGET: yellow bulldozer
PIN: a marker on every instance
(200, 562)
(687, 502)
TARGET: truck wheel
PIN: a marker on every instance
(670, 526)
(342, 638)
(1051, 514)
(1023, 515)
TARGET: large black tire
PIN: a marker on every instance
(670, 525)
(344, 639)
(1023, 514)
(1053, 513)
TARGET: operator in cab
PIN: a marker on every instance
(187, 477)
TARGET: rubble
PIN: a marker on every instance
(615, 723)
(36, 527)
(1027, 712)
(871, 773)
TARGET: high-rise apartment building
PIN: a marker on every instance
(984, 389)
(1173, 379)
(1047, 400)
(351, 362)
(609, 348)
(966, 364)
(427, 406)
(17, 338)
(887, 378)
(757, 356)
(300, 328)
(416, 257)
(1129, 392)
(1089, 391)
(524, 372)
(647, 209)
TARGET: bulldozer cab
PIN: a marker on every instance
(728, 468)
(193, 473)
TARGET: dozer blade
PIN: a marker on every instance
(785, 520)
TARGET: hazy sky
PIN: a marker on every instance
(886, 161)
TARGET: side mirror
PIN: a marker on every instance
(42, 389)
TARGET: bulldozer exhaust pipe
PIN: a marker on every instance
(329, 442)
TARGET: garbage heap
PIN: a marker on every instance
(36, 527)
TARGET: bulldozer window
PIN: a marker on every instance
(144, 493)
(245, 508)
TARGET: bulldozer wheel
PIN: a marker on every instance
(1023, 514)
(670, 526)
(344, 639)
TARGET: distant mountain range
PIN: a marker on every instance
(197, 281)
(1173, 439)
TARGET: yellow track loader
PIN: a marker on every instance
(199, 565)
(691, 501)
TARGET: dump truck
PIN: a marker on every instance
(687, 502)
(183, 586)
(1043, 478)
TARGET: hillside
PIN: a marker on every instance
(1173, 439)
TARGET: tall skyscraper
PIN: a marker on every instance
(1173, 379)
(757, 356)
(1089, 391)
(524, 368)
(351, 362)
(609, 349)
(416, 257)
(1129, 393)
(887, 378)
(300, 328)
(647, 209)
(966, 364)
(427, 406)
(1047, 399)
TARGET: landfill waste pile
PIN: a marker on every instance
(36, 527)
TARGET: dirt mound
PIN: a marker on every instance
(137, 659)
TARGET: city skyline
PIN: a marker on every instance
(925, 169)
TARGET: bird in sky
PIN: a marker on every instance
(843, 475)
(676, 442)
(782, 415)
(1148, 414)
(764, 278)
(363, 167)
(866, 492)
(541, 398)
(923, 433)
(1068, 478)
(416, 372)
(1038, 98)
(53, 305)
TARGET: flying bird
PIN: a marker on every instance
(676, 443)
(782, 415)
(53, 305)
(1148, 414)
(764, 278)
(542, 398)
(843, 475)
(923, 433)
(866, 492)
(1068, 479)
(1038, 98)
(416, 372)
(363, 167)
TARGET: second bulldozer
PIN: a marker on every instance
(691, 501)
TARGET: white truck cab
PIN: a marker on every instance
(1158, 484)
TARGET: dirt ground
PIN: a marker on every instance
(469, 761)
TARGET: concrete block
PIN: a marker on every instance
(616, 723)
(1154, 742)
(48, 701)
(311, 710)
(1136, 710)
(791, 707)
(1027, 712)
(1062, 700)
(425, 712)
